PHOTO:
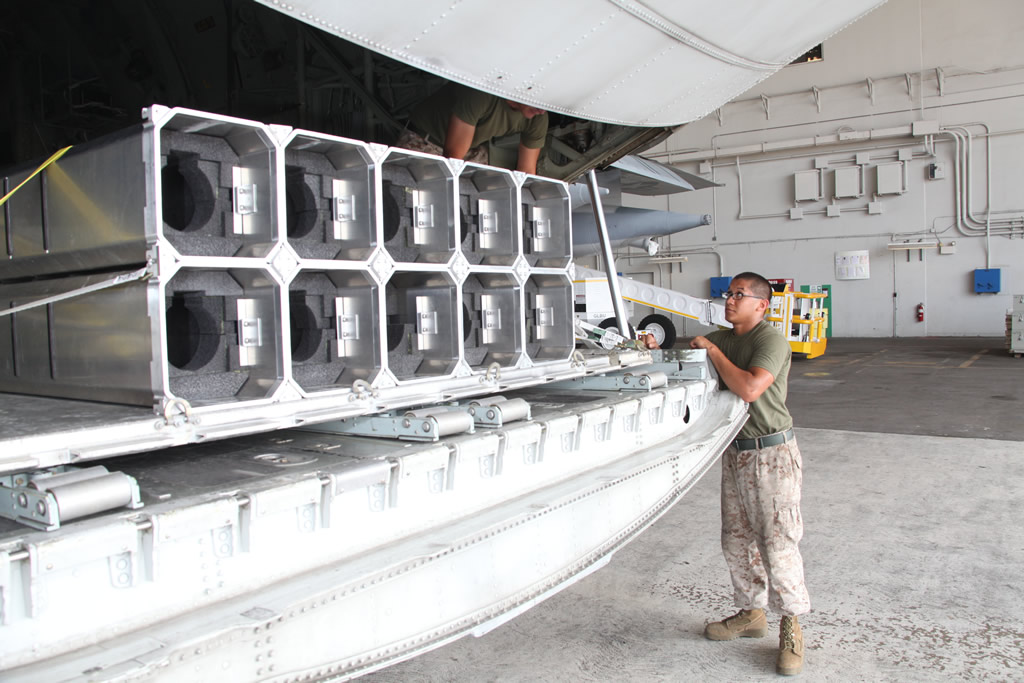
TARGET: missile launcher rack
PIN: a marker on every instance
(253, 381)
(268, 277)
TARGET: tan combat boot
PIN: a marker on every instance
(791, 648)
(747, 623)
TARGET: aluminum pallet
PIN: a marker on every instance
(309, 554)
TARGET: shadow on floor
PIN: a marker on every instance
(939, 386)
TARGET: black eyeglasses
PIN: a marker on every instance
(739, 295)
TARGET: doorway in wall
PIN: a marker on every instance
(910, 278)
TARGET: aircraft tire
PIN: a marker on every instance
(662, 329)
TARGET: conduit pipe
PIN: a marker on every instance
(969, 172)
(963, 175)
(679, 257)
(961, 192)
(796, 143)
(967, 223)
(988, 184)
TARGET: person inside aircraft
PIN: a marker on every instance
(458, 122)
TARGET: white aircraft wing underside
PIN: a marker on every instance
(656, 63)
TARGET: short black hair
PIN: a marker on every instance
(760, 286)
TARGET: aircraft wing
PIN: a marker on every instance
(655, 63)
(649, 177)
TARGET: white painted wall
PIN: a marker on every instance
(976, 48)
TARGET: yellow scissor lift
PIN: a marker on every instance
(803, 318)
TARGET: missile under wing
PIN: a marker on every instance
(630, 226)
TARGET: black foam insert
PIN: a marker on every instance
(202, 336)
(392, 210)
(308, 190)
(198, 211)
(301, 206)
(193, 333)
(187, 194)
(304, 324)
(313, 320)
(404, 359)
(397, 205)
(474, 352)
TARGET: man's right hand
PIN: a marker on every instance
(700, 343)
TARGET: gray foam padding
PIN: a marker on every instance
(397, 224)
(314, 293)
(398, 218)
(306, 222)
(220, 377)
(469, 220)
(469, 214)
(308, 192)
(531, 256)
(475, 352)
(548, 350)
(555, 256)
(404, 359)
(206, 164)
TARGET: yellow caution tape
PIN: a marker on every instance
(56, 155)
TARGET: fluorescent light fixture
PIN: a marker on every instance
(900, 246)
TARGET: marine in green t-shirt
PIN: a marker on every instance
(753, 358)
(458, 119)
(762, 347)
(761, 477)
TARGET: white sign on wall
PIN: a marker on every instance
(852, 265)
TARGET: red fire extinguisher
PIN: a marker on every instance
(920, 313)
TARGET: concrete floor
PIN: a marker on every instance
(913, 548)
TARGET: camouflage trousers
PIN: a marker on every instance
(417, 143)
(762, 527)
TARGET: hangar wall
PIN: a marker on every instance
(952, 68)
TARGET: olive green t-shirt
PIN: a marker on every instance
(762, 347)
(490, 114)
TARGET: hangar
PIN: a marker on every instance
(878, 171)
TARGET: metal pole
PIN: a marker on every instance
(606, 252)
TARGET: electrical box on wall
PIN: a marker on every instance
(890, 178)
(807, 185)
(719, 285)
(986, 280)
(848, 182)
